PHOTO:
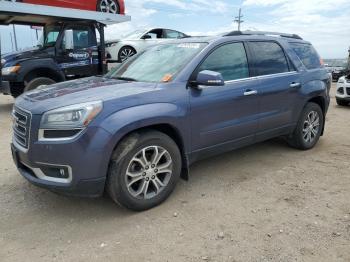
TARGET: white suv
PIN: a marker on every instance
(343, 91)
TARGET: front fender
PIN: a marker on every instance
(28, 66)
(122, 122)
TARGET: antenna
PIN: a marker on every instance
(238, 19)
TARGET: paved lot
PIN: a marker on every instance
(267, 202)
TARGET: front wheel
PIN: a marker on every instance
(309, 128)
(37, 82)
(108, 6)
(125, 53)
(144, 170)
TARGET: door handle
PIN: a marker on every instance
(295, 85)
(250, 92)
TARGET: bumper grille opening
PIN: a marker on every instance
(340, 91)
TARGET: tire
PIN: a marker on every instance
(342, 102)
(108, 6)
(131, 183)
(306, 136)
(125, 53)
(36, 82)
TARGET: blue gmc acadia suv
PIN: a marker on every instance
(135, 131)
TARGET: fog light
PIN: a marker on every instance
(56, 172)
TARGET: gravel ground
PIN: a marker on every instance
(266, 202)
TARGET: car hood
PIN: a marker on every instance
(17, 57)
(80, 91)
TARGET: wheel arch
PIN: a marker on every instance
(165, 128)
(43, 72)
(321, 101)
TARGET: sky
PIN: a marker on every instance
(325, 23)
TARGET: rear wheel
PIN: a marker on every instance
(144, 170)
(342, 102)
(309, 128)
(108, 6)
(36, 82)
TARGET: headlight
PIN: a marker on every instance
(3, 61)
(71, 117)
(9, 70)
(341, 81)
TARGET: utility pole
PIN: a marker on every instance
(238, 19)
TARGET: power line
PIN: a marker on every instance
(238, 19)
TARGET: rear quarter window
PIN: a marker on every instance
(307, 54)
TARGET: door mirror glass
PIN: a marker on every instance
(209, 78)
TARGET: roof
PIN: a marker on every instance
(21, 13)
(263, 33)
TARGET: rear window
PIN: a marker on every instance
(269, 58)
(307, 55)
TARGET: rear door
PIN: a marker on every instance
(225, 116)
(279, 85)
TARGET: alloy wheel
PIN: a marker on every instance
(109, 6)
(311, 127)
(126, 53)
(149, 172)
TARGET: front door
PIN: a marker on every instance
(77, 53)
(226, 115)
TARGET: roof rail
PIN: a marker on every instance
(248, 32)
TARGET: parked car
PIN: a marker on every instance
(107, 6)
(343, 91)
(135, 42)
(136, 130)
(337, 67)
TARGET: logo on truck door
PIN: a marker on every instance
(79, 55)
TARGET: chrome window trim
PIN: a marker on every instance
(261, 77)
(42, 176)
(41, 137)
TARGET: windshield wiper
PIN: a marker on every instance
(126, 78)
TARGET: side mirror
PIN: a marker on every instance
(209, 78)
(146, 36)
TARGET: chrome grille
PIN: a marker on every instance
(21, 126)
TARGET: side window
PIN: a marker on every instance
(52, 37)
(156, 33)
(307, 55)
(269, 58)
(172, 34)
(230, 60)
(78, 38)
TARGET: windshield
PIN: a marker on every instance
(159, 63)
(135, 34)
(50, 36)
